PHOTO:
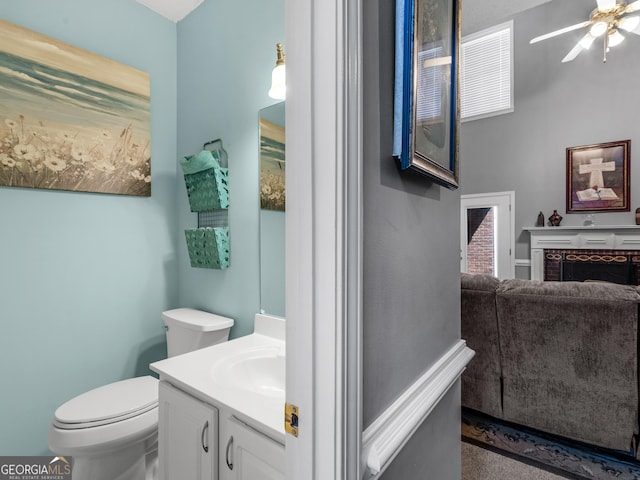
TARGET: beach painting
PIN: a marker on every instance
(272, 166)
(70, 119)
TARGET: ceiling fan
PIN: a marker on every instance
(605, 21)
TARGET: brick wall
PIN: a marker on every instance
(480, 241)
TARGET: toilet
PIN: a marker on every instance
(111, 432)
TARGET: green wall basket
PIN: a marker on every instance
(208, 247)
(207, 189)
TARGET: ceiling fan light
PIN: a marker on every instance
(615, 38)
(629, 23)
(598, 28)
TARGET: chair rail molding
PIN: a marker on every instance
(386, 436)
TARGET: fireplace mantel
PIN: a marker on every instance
(596, 237)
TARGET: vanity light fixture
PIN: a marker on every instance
(278, 76)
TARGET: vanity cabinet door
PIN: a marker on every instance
(249, 455)
(187, 436)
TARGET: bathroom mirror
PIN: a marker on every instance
(271, 123)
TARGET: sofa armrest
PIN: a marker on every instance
(481, 385)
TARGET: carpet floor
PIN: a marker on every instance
(553, 454)
(481, 464)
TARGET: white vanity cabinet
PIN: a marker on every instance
(246, 454)
(187, 436)
(200, 441)
(221, 408)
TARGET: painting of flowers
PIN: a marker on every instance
(272, 166)
(70, 119)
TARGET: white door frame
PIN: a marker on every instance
(323, 244)
(505, 249)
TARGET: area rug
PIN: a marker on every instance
(554, 454)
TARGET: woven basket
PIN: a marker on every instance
(208, 247)
(208, 190)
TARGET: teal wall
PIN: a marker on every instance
(84, 277)
(226, 51)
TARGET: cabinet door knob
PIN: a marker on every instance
(203, 439)
(229, 445)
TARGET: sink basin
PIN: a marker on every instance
(260, 370)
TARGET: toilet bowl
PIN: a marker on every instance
(111, 432)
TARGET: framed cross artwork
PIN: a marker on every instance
(598, 177)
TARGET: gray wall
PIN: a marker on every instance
(557, 105)
(411, 268)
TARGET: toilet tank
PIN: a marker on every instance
(189, 329)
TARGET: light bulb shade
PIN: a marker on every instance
(615, 38)
(278, 83)
(598, 28)
(629, 23)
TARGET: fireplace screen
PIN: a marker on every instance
(592, 265)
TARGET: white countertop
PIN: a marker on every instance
(192, 372)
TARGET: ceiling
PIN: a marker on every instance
(174, 10)
(478, 14)
(475, 13)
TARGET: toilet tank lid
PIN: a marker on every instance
(195, 320)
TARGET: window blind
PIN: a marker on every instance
(429, 101)
(486, 72)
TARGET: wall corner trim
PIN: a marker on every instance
(386, 436)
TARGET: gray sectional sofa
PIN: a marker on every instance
(560, 357)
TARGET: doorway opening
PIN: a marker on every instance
(487, 234)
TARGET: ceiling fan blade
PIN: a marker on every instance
(584, 44)
(606, 4)
(575, 51)
(630, 24)
(561, 31)
(632, 7)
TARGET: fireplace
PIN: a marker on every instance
(602, 252)
(616, 266)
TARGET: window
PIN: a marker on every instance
(486, 72)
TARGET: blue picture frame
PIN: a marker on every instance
(426, 90)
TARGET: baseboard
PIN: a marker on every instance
(386, 436)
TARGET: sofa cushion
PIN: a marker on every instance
(479, 327)
(569, 359)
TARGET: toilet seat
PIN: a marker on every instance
(108, 404)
